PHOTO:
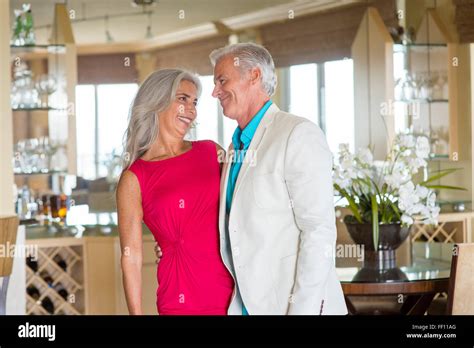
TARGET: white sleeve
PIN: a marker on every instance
(308, 175)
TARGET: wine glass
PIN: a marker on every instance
(31, 154)
(18, 157)
(425, 87)
(45, 85)
(28, 94)
(437, 85)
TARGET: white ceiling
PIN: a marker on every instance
(164, 20)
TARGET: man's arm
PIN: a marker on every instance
(308, 176)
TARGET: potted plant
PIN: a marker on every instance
(383, 196)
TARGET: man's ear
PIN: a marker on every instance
(255, 75)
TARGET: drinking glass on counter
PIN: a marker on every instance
(36, 155)
(58, 205)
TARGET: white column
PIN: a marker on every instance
(15, 303)
(6, 131)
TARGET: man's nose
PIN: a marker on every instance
(216, 91)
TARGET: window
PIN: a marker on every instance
(211, 123)
(339, 103)
(207, 112)
(102, 114)
(324, 93)
(85, 113)
(304, 91)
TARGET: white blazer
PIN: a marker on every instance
(281, 231)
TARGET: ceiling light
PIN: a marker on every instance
(149, 33)
(136, 3)
(108, 36)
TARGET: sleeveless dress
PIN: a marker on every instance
(180, 200)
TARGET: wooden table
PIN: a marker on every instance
(417, 281)
(419, 294)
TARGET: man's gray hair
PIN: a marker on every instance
(250, 56)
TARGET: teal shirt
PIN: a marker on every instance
(242, 138)
(241, 142)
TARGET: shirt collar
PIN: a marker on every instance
(245, 136)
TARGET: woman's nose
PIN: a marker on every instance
(192, 108)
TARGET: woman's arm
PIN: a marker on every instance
(130, 215)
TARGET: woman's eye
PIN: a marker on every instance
(182, 98)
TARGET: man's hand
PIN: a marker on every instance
(158, 253)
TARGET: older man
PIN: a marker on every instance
(277, 220)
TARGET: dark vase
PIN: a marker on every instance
(391, 236)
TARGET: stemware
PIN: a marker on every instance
(31, 155)
(45, 85)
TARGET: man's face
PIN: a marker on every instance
(231, 88)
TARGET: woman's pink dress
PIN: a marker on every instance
(180, 200)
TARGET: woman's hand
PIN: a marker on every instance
(158, 253)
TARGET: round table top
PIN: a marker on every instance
(429, 262)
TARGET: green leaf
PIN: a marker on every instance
(375, 222)
(352, 204)
(446, 187)
(395, 209)
(441, 174)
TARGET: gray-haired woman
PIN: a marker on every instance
(172, 185)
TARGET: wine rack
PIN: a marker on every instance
(70, 277)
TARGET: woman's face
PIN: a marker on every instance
(176, 119)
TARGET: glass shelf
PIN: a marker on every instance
(438, 156)
(38, 49)
(426, 45)
(428, 101)
(419, 47)
(41, 173)
(38, 109)
(444, 202)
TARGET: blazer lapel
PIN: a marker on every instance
(254, 144)
(224, 182)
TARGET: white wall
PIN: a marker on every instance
(6, 133)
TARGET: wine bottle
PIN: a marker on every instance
(47, 278)
(60, 261)
(61, 290)
(48, 305)
(33, 292)
(32, 263)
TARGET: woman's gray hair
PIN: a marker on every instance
(155, 94)
(250, 56)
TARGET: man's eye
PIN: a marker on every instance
(195, 103)
(222, 81)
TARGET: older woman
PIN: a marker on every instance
(172, 185)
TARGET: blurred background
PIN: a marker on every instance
(364, 71)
